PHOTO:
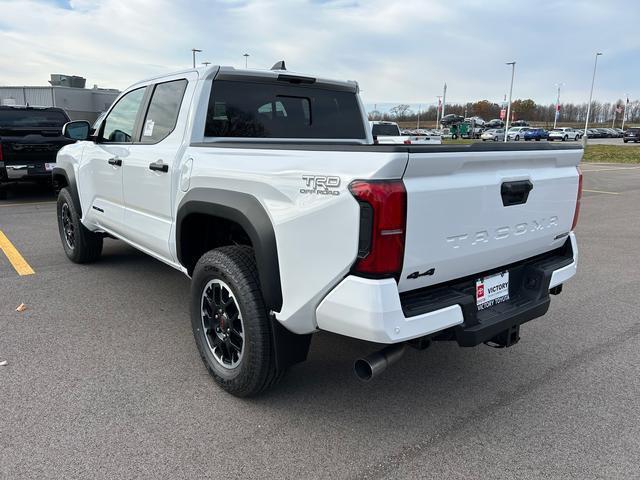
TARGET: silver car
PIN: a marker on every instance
(495, 134)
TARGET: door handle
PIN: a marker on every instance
(115, 161)
(159, 166)
(515, 193)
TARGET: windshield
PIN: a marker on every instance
(382, 129)
(21, 118)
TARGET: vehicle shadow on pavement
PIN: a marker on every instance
(26, 192)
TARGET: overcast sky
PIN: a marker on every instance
(399, 51)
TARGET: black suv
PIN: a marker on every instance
(30, 138)
(631, 135)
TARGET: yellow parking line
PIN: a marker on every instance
(600, 191)
(19, 263)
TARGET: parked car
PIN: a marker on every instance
(536, 134)
(494, 123)
(516, 133)
(495, 134)
(30, 137)
(564, 134)
(451, 119)
(604, 133)
(477, 120)
(631, 135)
(594, 133)
(520, 123)
(212, 172)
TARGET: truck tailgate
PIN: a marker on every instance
(473, 211)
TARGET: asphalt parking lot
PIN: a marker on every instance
(103, 379)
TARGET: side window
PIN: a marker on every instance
(163, 111)
(119, 124)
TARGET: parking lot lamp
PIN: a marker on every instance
(593, 81)
(246, 60)
(444, 100)
(506, 125)
(557, 112)
(193, 51)
(438, 113)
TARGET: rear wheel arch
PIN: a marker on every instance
(229, 218)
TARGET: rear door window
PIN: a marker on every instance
(274, 110)
(162, 114)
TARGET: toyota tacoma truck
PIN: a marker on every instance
(267, 190)
(30, 138)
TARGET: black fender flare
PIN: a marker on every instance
(248, 212)
(71, 183)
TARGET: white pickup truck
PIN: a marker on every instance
(385, 132)
(266, 188)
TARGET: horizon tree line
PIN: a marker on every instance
(522, 109)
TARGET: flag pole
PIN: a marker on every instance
(624, 114)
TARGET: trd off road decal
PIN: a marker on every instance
(320, 185)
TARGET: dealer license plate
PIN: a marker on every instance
(492, 290)
(49, 166)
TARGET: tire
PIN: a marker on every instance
(625, 141)
(237, 348)
(3, 192)
(79, 243)
(537, 139)
(565, 138)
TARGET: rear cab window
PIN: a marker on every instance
(281, 110)
(381, 129)
(29, 118)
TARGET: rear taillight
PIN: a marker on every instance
(407, 142)
(578, 199)
(383, 217)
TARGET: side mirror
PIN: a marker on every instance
(77, 130)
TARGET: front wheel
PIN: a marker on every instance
(230, 322)
(565, 138)
(517, 138)
(80, 244)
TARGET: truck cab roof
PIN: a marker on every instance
(223, 72)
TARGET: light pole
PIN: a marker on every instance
(557, 114)
(206, 64)
(419, 107)
(593, 81)
(444, 100)
(246, 60)
(193, 51)
(506, 125)
(438, 113)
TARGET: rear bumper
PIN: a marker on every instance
(375, 311)
(27, 171)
